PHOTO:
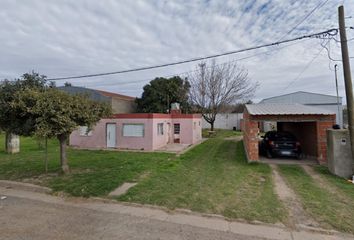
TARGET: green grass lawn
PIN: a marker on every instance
(213, 177)
(342, 185)
(93, 173)
(329, 209)
(221, 133)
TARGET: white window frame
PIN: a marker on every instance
(133, 133)
(160, 129)
(84, 131)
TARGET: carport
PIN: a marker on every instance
(307, 123)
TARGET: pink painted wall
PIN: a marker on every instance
(197, 130)
(160, 140)
(97, 140)
(190, 133)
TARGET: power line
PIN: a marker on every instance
(304, 19)
(330, 32)
(187, 72)
(305, 68)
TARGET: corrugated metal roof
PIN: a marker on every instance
(285, 109)
(304, 92)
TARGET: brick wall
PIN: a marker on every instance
(250, 132)
(313, 134)
(322, 140)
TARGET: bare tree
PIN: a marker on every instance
(218, 85)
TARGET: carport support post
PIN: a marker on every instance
(347, 75)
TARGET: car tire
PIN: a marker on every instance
(269, 154)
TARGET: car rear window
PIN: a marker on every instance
(285, 135)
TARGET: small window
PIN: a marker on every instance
(176, 128)
(160, 129)
(195, 125)
(199, 123)
(133, 130)
(84, 131)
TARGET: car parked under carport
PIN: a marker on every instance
(307, 123)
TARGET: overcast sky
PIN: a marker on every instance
(65, 38)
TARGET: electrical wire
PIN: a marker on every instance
(192, 71)
(304, 69)
(330, 32)
(321, 4)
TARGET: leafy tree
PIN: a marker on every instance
(161, 92)
(57, 114)
(13, 121)
(216, 86)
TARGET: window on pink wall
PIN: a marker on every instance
(195, 125)
(176, 128)
(133, 130)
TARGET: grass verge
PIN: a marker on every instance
(93, 173)
(221, 133)
(329, 209)
(213, 177)
(340, 183)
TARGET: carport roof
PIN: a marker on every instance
(285, 109)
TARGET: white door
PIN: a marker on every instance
(111, 135)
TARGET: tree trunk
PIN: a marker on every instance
(12, 143)
(63, 159)
(212, 126)
(46, 155)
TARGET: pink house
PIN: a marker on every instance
(141, 131)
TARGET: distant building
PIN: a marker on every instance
(120, 103)
(225, 121)
(322, 101)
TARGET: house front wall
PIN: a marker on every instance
(98, 137)
(160, 140)
(190, 133)
(197, 130)
(190, 130)
(138, 143)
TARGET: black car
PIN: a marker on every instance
(283, 144)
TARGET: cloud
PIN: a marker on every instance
(85, 37)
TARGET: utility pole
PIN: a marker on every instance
(338, 108)
(347, 75)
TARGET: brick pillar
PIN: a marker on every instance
(322, 127)
(251, 140)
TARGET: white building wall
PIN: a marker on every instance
(312, 99)
(333, 109)
(225, 121)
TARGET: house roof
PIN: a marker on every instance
(285, 109)
(110, 94)
(95, 94)
(312, 93)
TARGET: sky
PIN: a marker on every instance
(68, 38)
